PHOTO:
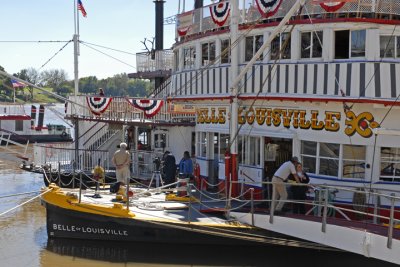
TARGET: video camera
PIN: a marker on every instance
(157, 163)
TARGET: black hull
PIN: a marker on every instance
(41, 138)
(62, 223)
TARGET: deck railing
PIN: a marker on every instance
(154, 61)
(199, 20)
(120, 111)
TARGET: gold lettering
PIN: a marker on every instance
(303, 123)
(221, 115)
(260, 115)
(296, 119)
(315, 124)
(330, 123)
(287, 117)
(276, 116)
(241, 118)
(269, 116)
(250, 116)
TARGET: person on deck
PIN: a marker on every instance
(101, 92)
(186, 166)
(299, 192)
(169, 168)
(279, 192)
(121, 161)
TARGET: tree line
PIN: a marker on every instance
(57, 80)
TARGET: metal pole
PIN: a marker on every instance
(391, 221)
(272, 207)
(325, 213)
(127, 193)
(80, 187)
(375, 219)
(252, 205)
(190, 201)
(59, 174)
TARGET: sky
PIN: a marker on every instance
(116, 24)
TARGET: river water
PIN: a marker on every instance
(24, 241)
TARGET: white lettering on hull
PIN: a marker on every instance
(89, 230)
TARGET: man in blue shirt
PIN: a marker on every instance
(186, 166)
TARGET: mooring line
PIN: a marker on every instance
(29, 200)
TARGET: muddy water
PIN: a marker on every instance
(24, 242)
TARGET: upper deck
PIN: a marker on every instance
(209, 18)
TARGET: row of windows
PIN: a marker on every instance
(348, 161)
(347, 44)
(326, 159)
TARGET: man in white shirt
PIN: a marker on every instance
(281, 175)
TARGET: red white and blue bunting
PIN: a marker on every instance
(330, 6)
(150, 107)
(220, 12)
(98, 105)
(268, 8)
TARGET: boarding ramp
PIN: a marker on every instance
(366, 229)
(18, 149)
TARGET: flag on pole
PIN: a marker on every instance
(16, 84)
(81, 8)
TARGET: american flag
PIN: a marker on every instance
(81, 8)
(16, 84)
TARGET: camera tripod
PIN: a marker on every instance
(157, 176)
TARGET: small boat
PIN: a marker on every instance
(17, 126)
(149, 215)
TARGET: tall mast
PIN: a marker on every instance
(76, 47)
(233, 127)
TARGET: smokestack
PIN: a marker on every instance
(198, 4)
(41, 118)
(159, 24)
(159, 35)
(33, 116)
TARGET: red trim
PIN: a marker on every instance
(234, 176)
(15, 117)
(332, 8)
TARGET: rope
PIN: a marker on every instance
(29, 200)
(20, 194)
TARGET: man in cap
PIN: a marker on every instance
(121, 161)
(281, 175)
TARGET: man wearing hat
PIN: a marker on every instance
(121, 161)
(281, 175)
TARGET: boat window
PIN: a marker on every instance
(329, 159)
(249, 150)
(189, 55)
(350, 44)
(309, 156)
(19, 125)
(358, 39)
(207, 53)
(176, 60)
(223, 145)
(390, 164)
(389, 46)
(252, 45)
(280, 47)
(311, 44)
(202, 144)
(225, 51)
(354, 161)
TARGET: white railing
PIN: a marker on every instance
(120, 111)
(199, 20)
(64, 155)
(158, 61)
